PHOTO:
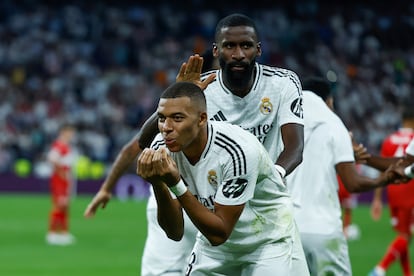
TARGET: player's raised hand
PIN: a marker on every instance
(191, 71)
(100, 200)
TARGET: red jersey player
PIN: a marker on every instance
(400, 200)
(61, 157)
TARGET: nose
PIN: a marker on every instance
(238, 53)
(166, 125)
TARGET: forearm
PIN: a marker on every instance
(292, 154)
(289, 160)
(124, 159)
(131, 150)
(355, 182)
(213, 227)
(378, 194)
(169, 212)
(381, 163)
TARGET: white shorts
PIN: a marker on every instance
(327, 254)
(290, 262)
(163, 256)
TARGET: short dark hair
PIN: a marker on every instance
(317, 85)
(185, 89)
(234, 20)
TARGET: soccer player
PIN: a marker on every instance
(328, 152)
(62, 157)
(400, 197)
(267, 101)
(224, 179)
(347, 200)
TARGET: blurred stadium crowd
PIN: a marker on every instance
(102, 65)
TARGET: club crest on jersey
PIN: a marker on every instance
(266, 106)
(212, 177)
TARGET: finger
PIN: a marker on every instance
(90, 211)
(157, 160)
(192, 65)
(144, 164)
(181, 73)
(165, 157)
(198, 65)
(207, 81)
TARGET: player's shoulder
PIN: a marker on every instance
(277, 72)
(206, 74)
(158, 142)
(280, 77)
(234, 133)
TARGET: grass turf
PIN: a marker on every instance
(112, 242)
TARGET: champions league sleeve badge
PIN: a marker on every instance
(266, 106)
(296, 108)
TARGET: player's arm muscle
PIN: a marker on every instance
(293, 140)
(170, 215)
(215, 226)
(355, 182)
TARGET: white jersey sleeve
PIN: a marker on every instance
(410, 148)
(291, 106)
(342, 147)
(239, 179)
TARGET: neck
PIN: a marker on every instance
(194, 151)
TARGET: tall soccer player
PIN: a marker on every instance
(400, 197)
(62, 157)
(347, 200)
(265, 100)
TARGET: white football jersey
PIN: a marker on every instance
(236, 169)
(313, 184)
(274, 100)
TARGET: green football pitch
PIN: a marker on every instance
(112, 242)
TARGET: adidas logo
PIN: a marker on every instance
(219, 116)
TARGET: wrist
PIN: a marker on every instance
(281, 170)
(408, 171)
(178, 189)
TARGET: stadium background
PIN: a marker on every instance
(102, 65)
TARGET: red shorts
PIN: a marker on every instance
(402, 219)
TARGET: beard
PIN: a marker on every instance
(237, 79)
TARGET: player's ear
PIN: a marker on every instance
(203, 118)
(215, 50)
(259, 49)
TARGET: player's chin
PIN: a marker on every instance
(173, 148)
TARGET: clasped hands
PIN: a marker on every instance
(157, 167)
